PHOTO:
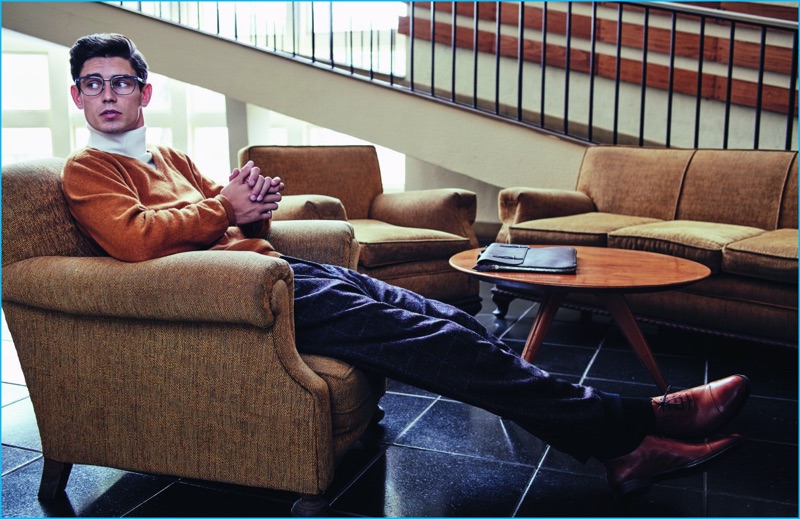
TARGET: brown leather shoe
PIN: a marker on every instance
(700, 411)
(658, 458)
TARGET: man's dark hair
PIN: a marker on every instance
(106, 46)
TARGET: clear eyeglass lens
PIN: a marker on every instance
(122, 85)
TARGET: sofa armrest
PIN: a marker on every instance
(208, 286)
(324, 241)
(310, 207)
(448, 210)
(522, 204)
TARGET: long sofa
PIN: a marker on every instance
(734, 211)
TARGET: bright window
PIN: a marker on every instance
(26, 143)
(26, 82)
(211, 153)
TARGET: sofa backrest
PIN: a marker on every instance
(350, 173)
(755, 188)
(36, 221)
(738, 187)
(634, 181)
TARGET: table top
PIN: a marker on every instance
(599, 269)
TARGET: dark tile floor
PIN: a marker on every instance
(437, 457)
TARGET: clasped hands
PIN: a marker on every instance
(254, 197)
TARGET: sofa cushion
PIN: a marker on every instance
(697, 241)
(771, 255)
(737, 187)
(633, 180)
(384, 244)
(589, 229)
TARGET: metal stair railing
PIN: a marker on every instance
(657, 74)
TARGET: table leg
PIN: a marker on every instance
(621, 313)
(547, 311)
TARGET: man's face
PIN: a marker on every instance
(110, 112)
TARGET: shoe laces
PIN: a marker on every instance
(679, 401)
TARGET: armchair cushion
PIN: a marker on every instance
(698, 241)
(771, 255)
(589, 229)
(382, 243)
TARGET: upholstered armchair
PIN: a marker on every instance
(184, 365)
(406, 238)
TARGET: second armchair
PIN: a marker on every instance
(406, 238)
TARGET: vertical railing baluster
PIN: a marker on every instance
(330, 28)
(294, 28)
(235, 23)
(433, 48)
(497, 30)
(567, 67)
(351, 49)
(700, 59)
(392, 38)
(726, 124)
(371, 53)
(453, 47)
(615, 130)
(475, 54)
(643, 100)
(790, 110)
(543, 60)
(760, 90)
(520, 57)
(592, 65)
(412, 45)
(671, 80)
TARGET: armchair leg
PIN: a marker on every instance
(377, 417)
(502, 301)
(54, 478)
(310, 506)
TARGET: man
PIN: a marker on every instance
(137, 203)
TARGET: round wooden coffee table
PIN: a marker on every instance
(605, 272)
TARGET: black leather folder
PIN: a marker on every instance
(521, 258)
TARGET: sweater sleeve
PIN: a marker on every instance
(103, 195)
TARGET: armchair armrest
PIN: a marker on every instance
(324, 241)
(209, 286)
(448, 209)
(201, 360)
(522, 204)
(310, 207)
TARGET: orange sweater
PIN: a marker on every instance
(134, 212)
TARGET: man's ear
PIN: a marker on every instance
(76, 96)
(147, 94)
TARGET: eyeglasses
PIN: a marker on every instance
(94, 85)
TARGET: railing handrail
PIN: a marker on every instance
(679, 7)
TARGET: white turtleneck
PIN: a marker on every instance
(132, 143)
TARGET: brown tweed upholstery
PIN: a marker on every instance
(734, 211)
(406, 238)
(184, 365)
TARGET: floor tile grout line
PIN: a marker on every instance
(530, 481)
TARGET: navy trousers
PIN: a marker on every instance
(387, 330)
